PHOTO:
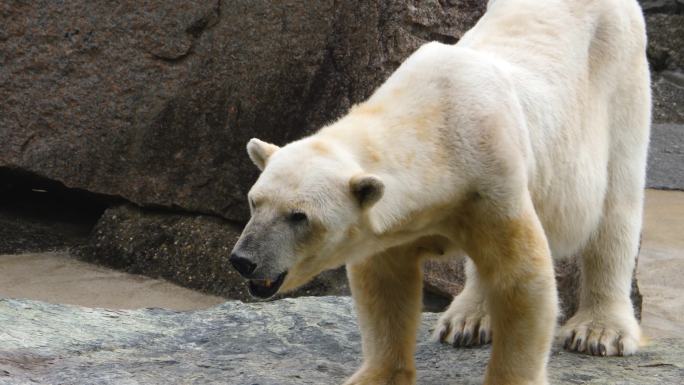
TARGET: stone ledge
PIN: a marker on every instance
(287, 342)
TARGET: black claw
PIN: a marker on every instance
(569, 341)
(593, 349)
(457, 339)
(443, 334)
(602, 349)
(475, 336)
(483, 337)
(578, 344)
(467, 339)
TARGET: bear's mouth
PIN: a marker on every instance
(266, 288)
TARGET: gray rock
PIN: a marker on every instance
(19, 234)
(287, 342)
(666, 157)
(666, 56)
(668, 97)
(662, 6)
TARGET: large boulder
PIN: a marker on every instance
(288, 342)
(154, 102)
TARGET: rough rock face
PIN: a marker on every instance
(155, 102)
(662, 6)
(191, 250)
(444, 277)
(287, 342)
(666, 157)
(665, 27)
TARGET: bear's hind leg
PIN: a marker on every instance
(466, 323)
(605, 324)
(387, 292)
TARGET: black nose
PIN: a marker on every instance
(243, 265)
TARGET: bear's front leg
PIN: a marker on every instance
(514, 263)
(387, 293)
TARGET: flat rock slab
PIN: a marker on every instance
(287, 342)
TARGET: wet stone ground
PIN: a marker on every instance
(292, 341)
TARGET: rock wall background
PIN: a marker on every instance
(155, 102)
(151, 104)
(665, 28)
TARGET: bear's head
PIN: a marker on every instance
(308, 214)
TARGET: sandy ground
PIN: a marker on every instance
(57, 278)
(661, 264)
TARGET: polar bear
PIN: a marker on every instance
(525, 140)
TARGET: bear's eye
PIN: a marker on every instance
(296, 217)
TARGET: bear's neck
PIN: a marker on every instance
(393, 141)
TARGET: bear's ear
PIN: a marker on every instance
(367, 189)
(259, 152)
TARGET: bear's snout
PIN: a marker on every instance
(260, 285)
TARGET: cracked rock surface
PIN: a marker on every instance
(286, 342)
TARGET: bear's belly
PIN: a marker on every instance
(568, 195)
